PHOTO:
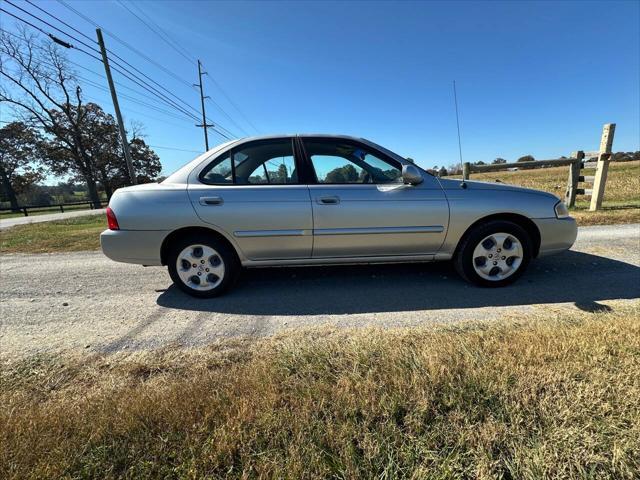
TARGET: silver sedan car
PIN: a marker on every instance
(326, 199)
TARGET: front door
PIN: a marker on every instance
(361, 207)
(253, 194)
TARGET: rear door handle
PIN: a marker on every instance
(211, 201)
(329, 200)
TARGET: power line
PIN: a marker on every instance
(47, 23)
(160, 32)
(93, 47)
(162, 35)
(25, 21)
(135, 100)
(246, 119)
(118, 39)
(227, 115)
(132, 112)
(120, 85)
(89, 20)
(125, 73)
(122, 70)
(174, 148)
(61, 21)
(165, 37)
(186, 52)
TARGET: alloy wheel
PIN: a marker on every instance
(497, 256)
(200, 267)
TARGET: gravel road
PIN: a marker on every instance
(83, 302)
(48, 217)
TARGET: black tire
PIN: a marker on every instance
(464, 261)
(229, 259)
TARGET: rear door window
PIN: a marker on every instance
(266, 162)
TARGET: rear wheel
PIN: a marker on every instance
(494, 254)
(201, 266)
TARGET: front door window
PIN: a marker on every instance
(337, 162)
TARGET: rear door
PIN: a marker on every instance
(361, 207)
(252, 192)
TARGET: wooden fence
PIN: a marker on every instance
(575, 164)
(45, 208)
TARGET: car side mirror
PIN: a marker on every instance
(411, 175)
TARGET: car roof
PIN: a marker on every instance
(290, 135)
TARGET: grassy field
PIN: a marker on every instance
(622, 195)
(552, 394)
(71, 235)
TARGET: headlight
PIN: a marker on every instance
(561, 210)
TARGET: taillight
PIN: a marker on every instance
(112, 222)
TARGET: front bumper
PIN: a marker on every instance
(133, 246)
(556, 234)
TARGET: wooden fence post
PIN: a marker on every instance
(600, 180)
(574, 178)
(466, 170)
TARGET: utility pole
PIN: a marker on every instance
(204, 124)
(116, 107)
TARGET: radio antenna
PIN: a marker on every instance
(455, 101)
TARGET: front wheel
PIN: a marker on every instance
(202, 267)
(494, 254)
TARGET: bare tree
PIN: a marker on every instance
(43, 90)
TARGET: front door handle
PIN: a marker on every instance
(329, 200)
(211, 201)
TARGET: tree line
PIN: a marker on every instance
(56, 131)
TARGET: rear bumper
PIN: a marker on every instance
(133, 246)
(556, 234)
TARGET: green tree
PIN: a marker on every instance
(526, 158)
(281, 175)
(103, 153)
(344, 174)
(19, 170)
(499, 161)
(146, 163)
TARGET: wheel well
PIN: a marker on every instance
(520, 220)
(182, 232)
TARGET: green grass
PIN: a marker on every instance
(70, 235)
(552, 394)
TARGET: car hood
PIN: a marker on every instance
(450, 183)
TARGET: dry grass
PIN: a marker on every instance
(554, 396)
(71, 235)
(622, 195)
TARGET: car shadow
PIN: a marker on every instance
(575, 277)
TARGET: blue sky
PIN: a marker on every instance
(536, 78)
